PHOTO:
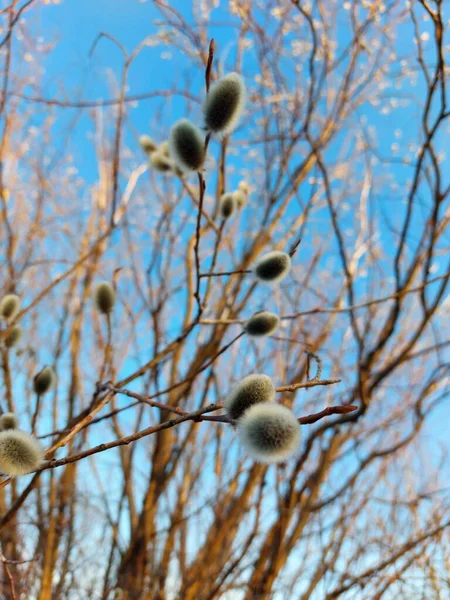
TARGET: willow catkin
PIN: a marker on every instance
(104, 297)
(251, 390)
(262, 324)
(227, 205)
(20, 453)
(147, 144)
(8, 420)
(241, 198)
(187, 146)
(9, 306)
(160, 162)
(13, 336)
(269, 432)
(164, 148)
(272, 267)
(224, 104)
(44, 380)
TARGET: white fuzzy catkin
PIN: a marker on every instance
(20, 453)
(272, 267)
(13, 336)
(269, 432)
(44, 380)
(251, 390)
(8, 420)
(9, 306)
(147, 144)
(165, 148)
(241, 198)
(160, 162)
(104, 297)
(227, 205)
(262, 324)
(187, 146)
(224, 104)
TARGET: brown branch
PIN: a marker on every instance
(326, 412)
(10, 577)
(129, 439)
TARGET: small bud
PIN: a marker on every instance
(243, 186)
(241, 198)
(20, 453)
(250, 390)
(8, 420)
(227, 205)
(165, 148)
(269, 432)
(262, 324)
(104, 297)
(147, 144)
(44, 380)
(187, 146)
(224, 104)
(9, 306)
(160, 162)
(13, 336)
(272, 267)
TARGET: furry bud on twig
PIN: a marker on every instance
(160, 162)
(269, 432)
(187, 146)
(224, 104)
(272, 267)
(9, 306)
(20, 453)
(227, 205)
(251, 390)
(104, 297)
(8, 421)
(13, 336)
(241, 198)
(165, 148)
(147, 144)
(262, 324)
(44, 380)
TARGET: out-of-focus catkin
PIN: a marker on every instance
(253, 389)
(269, 432)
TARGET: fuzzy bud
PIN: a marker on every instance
(160, 162)
(262, 324)
(224, 104)
(13, 336)
(147, 144)
(227, 206)
(104, 297)
(241, 198)
(165, 148)
(20, 453)
(187, 146)
(44, 380)
(9, 306)
(269, 432)
(250, 390)
(8, 421)
(272, 267)
(243, 186)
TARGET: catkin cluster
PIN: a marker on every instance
(9, 309)
(231, 202)
(269, 431)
